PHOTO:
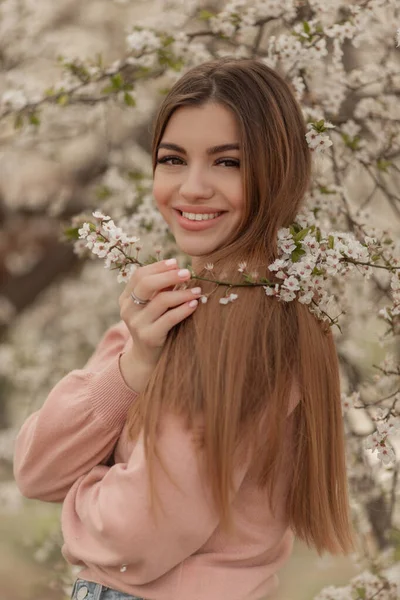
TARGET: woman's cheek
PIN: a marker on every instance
(159, 193)
(162, 196)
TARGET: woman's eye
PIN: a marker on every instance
(233, 163)
(165, 160)
(228, 162)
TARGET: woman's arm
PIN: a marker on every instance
(78, 424)
(106, 518)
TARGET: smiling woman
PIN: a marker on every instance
(223, 419)
(202, 177)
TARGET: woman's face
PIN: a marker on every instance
(198, 173)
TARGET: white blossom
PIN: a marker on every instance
(100, 216)
(317, 141)
(291, 283)
(14, 99)
(84, 231)
(143, 40)
(101, 249)
(227, 299)
(277, 265)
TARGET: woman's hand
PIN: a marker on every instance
(150, 323)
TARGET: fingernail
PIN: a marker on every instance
(170, 261)
(193, 303)
(196, 290)
(183, 273)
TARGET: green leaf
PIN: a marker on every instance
(248, 278)
(71, 233)
(141, 72)
(103, 192)
(117, 81)
(135, 175)
(79, 71)
(324, 190)
(34, 119)
(318, 235)
(383, 165)
(167, 58)
(109, 89)
(306, 27)
(63, 99)
(361, 593)
(236, 19)
(352, 143)
(315, 212)
(317, 271)
(151, 259)
(204, 15)
(129, 99)
(331, 242)
(301, 234)
(19, 121)
(297, 254)
(167, 40)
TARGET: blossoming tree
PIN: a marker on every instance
(341, 257)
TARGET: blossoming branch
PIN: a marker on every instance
(307, 258)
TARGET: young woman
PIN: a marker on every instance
(200, 439)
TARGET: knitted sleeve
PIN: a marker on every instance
(78, 424)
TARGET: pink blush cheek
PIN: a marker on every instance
(162, 195)
(162, 204)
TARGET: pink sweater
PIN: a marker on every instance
(62, 454)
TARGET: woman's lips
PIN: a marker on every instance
(197, 225)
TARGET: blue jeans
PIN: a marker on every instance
(88, 590)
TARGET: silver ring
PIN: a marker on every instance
(138, 300)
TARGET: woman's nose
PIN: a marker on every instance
(196, 185)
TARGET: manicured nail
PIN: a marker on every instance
(170, 261)
(193, 303)
(196, 290)
(183, 273)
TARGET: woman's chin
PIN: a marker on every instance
(195, 249)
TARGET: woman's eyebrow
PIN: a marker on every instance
(212, 150)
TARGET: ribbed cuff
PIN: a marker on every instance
(110, 396)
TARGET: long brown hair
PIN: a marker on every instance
(234, 366)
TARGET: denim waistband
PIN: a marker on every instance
(88, 590)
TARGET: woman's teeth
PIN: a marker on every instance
(200, 217)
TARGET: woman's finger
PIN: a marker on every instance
(146, 287)
(160, 328)
(166, 301)
(141, 272)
